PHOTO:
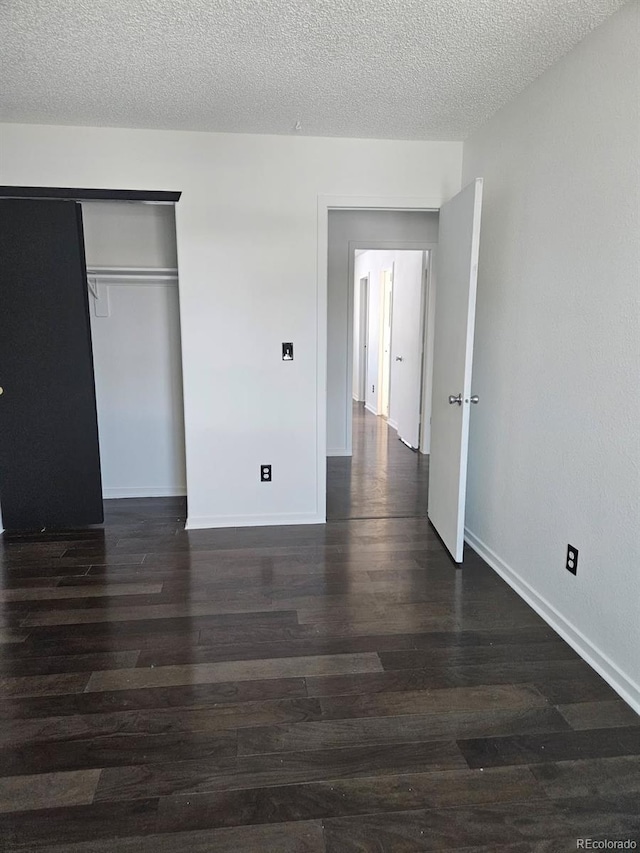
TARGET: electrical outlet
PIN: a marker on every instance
(572, 560)
(265, 473)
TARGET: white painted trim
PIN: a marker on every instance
(384, 202)
(393, 245)
(364, 291)
(322, 265)
(340, 451)
(110, 493)
(602, 663)
(203, 522)
(428, 318)
(392, 424)
(369, 409)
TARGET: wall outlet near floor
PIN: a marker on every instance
(265, 473)
(572, 560)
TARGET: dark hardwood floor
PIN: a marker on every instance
(337, 689)
(383, 478)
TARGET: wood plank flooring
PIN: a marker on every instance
(382, 479)
(294, 690)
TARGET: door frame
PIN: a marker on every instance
(363, 333)
(427, 336)
(427, 204)
(386, 325)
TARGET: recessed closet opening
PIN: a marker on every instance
(92, 403)
(134, 313)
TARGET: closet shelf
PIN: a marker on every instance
(134, 273)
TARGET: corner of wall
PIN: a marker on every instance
(588, 651)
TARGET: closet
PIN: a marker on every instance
(135, 329)
(90, 368)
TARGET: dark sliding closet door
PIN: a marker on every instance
(49, 453)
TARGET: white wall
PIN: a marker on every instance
(129, 234)
(136, 354)
(360, 228)
(247, 228)
(554, 446)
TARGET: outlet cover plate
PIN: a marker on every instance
(265, 473)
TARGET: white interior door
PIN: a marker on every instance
(457, 264)
(406, 353)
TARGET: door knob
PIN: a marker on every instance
(453, 399)
(398, 358)
(474, 399)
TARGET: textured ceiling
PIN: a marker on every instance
(403, 69)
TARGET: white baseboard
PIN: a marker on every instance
(143, 492)
(338, 451)
(603, 665)
(369, 409)
(392, 424)
(203, 522)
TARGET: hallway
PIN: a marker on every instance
(383, 478)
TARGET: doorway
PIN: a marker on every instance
(450, 338)
(348, 233)
(383, 477)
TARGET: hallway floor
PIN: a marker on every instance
(315, 689)
(383, 478)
